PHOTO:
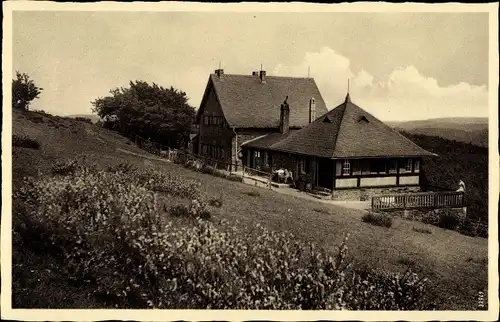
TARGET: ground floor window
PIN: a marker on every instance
(409, 165)
(265, 159)
(212, 151)
(393, 166)
(373, 167)
(416, 166)
(346, 168)
(302, 166)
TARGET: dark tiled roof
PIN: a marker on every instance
(248, 102)
(348, 131)
(265, 142)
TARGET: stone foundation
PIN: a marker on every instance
(365, 194)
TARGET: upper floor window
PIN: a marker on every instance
(213, 120)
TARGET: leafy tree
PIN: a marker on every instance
(24, 91)
(150, 111)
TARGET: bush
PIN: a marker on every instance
(179, 211)
(252, 193)
(473, 228)
(107, 228)
(448, 220)
(83, 119)
(422, 230)
(34, 117)
(321, 210)
(235, 178)
(215, 202)
(124, 167)
(196, 209)
(406, 261)
(378, 219)
(25, 142)
(65, 168)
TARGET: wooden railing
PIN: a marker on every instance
(450, 199)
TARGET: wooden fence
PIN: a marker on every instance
(206, 164)
(267, 176)
(434, 200)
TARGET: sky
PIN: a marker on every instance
(401, 66)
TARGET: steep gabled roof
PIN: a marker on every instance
(348, 131)
(249, 103)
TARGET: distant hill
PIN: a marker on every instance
(468, 130)
(93, 117)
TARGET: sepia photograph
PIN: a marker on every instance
(246, 161)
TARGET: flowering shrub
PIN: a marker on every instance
(197, 209)
(123, 167)
(378, 219)
(68, 167)
(107, 227)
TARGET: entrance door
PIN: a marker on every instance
(325, 173)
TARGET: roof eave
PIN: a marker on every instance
(336, 157)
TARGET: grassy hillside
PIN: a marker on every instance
(457, 161)
(456, 264)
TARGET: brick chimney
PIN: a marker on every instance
(312, 110)
(262, 76)
(285, 117)
(219, 72)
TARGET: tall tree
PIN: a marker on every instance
(151, 111)
(24, 91)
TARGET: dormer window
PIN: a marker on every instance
(363, 119)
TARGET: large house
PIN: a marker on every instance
(238, 108)
(346, 150)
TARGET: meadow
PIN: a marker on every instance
(176, 225)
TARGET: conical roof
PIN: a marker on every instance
(348, 131)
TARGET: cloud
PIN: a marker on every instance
(405, 94)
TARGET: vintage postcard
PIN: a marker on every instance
(249, 161)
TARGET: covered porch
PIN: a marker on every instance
(336, 174)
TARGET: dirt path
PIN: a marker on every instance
(142, 155)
